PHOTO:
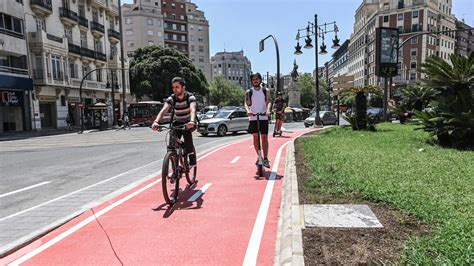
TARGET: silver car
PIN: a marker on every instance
(225, 121)
(327, 118)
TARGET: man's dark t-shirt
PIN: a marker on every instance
(278, 104)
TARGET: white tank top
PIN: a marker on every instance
(259, 104)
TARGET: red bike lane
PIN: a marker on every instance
(233, 222)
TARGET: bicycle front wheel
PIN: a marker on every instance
(170, 177)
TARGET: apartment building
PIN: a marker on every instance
(66, 40)
(411, 17)
(464, 39)
(142, 25)
(15, 83)
(198, 31)
(233, 66)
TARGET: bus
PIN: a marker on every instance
(143, 113)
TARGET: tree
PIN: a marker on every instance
(307, 87)
(225, 93)
(359, 120)
(153, 68)
(418, 97)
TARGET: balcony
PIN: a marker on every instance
(39, 74)
(83, 22)
(68, 17)
(85, 52)
(97, 29)
(99, 3)
(74, 49)
(42, 7)
(39, 40)
(114, 36)
(112, 8)
(100, 56)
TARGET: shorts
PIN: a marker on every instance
(253, 128)
(280, 115)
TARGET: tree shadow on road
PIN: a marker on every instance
(182, 203)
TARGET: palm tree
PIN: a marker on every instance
(419, 96)
(360, 103)
(456, 78)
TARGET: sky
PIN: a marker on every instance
(240, 24)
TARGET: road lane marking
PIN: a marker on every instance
(257, 232)
(199, 193)
(23, 189)
(80, 225)
(235, 160)
(91, 218)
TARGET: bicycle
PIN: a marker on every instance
(178, 160)
(259, 152)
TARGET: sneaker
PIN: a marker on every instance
(266, 163)
(256, 162)
(192, 160)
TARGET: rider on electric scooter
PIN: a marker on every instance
(279, 110)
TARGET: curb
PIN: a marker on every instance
(289, 245)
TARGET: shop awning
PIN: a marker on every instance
(16, 83)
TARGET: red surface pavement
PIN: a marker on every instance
(215, 229)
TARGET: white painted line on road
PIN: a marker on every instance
(199, 193)
(74, 192)
(235, 160)
(80, 225)
(100, 213)
(257, 232)
(23, 189)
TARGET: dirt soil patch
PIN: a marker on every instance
(350, 246)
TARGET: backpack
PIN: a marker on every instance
(250, 92)
(187, 95)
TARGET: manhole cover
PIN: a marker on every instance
(340, 215)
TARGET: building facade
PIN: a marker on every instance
(142, 25)
(15, 83)
(168, 23)
(233, 66)
(198, 30)
(464, 39)
(66, 40)
(410, 17)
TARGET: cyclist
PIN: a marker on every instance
(279, 108)
(257, 100)
(184, 113)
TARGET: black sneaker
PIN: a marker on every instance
(192, 160)
(266, 163)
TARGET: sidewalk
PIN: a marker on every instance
(230, 217)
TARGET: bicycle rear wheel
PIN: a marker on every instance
(191, 175)
(170, 177)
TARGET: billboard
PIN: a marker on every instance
(386, 52)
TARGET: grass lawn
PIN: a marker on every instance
(397, 166)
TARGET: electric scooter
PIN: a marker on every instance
(277, 131)
(260, 170)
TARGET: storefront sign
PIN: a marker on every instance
(11, 98)
(45, 98)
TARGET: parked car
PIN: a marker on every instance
(208, 115)
(377, 113)
(225, 121)
(327, 118)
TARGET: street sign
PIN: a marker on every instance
(81, 105)
(386, 52)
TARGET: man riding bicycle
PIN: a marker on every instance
(279, 110)
(184, 113)
(257, 100)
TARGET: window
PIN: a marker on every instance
(68, 34)
(400, 16)
(86, 69)
(158, 22)
(415, 14)
(385, 18)
(192, 48)
(83, 39)
(129, 32)
(413, 65)
(201, 59)
(167, 37)
(183, 28)
(99, 75)
(149, 21)
(173, 5)
(413, 52)
(200, 39)
(40, 24)
(201, 48)
(175, 26)
(130, 43)
(414, 27)
(182, 17)
(128, 21)
(200, 28)
(191, 27)
(159, 33)
(414, 40)
(73, 71)
(400, 29)
(165, 25)
(175, 37)
(193, 38)
(56, 64)
(183, 38)
(151, 42)
(193, 58)
(149, 32)
(412, 76)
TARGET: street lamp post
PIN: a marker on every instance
(122, 57)
(277, 55)
(317, 31)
